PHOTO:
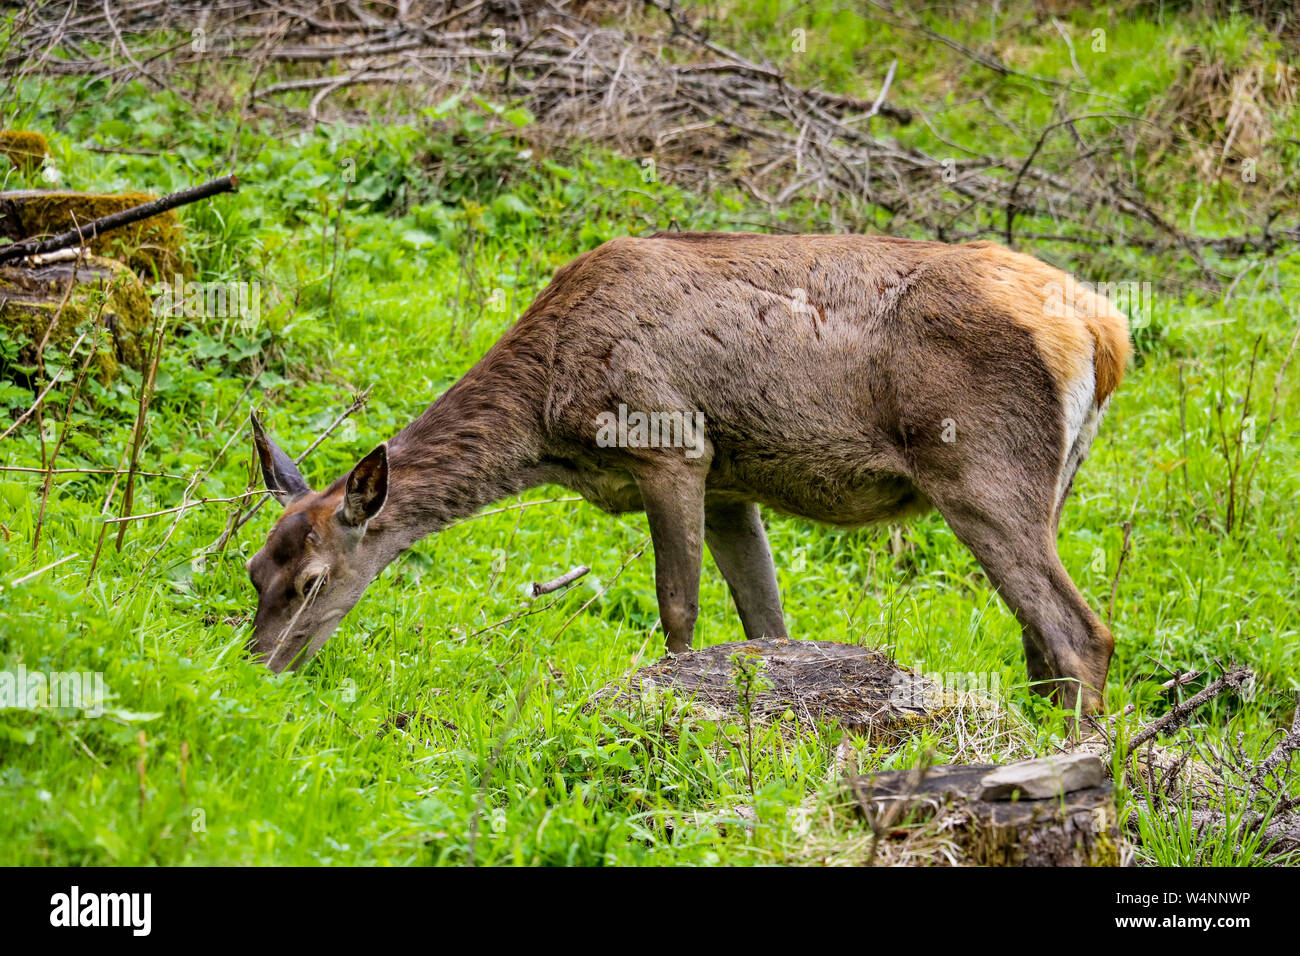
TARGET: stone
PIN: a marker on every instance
(1042, 778)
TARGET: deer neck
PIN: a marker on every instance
(475, 445)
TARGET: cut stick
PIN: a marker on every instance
(562, 581)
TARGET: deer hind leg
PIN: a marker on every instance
(1067, 649)
(736, 539)
(674, 505)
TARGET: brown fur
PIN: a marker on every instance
(844, 379)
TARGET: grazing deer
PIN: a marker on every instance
(844, 379)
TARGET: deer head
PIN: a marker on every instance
(320, 556)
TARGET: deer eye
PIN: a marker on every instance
(310, 583)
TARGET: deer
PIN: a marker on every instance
(842, 379)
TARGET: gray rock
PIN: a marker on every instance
(1043, 778)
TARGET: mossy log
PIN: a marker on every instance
(30, 299)
(24, 148)
(152, 247)
(988, 818)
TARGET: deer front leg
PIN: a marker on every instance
(738, 543)
(1040, 674)
(674, 506)
(1067, 649)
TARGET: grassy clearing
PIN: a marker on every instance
(426, 732)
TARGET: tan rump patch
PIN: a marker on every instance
(1071, 324)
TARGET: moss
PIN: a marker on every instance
(30, 320)
(30, 300)
(151, 247)
(25, 149)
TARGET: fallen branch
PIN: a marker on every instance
(1281, 755)
(81, 235)
(666, 90)
(1178, 681)
(1232, 680)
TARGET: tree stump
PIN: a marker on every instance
(25, 149)
(856, 687)
(988, 812)
(31, 299)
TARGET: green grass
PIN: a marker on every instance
(202, 757)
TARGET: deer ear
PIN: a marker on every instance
(278, 470)
(367, 488)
